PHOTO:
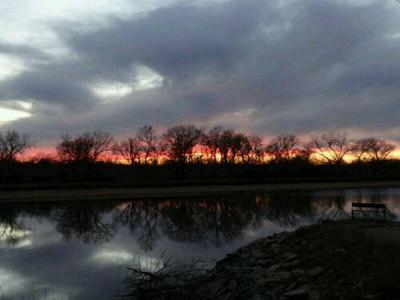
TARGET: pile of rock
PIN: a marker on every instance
(264, 269)
(333, 260)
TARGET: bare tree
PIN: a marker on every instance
(101, 143)
(257, 149)
(179, 142)
(130, 150)
(371, 149)
(85, 148)
(304, 152)
(148, 140)
(332, 148)
(211, 141)
(231, 146)
(240, 148)
(225, 145)
(283, 147)
(13, 144)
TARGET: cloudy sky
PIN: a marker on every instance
(268, 67)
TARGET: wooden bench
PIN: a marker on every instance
(376, 208)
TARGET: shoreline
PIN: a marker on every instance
(332, 260)
(93, 194)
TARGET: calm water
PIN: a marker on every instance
(81, 250)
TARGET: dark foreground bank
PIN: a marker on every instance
(60, 175)
(324, 261)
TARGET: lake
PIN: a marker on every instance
(81, 249)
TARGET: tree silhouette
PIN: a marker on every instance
(84, 148)
(283, 148)
(211, 140)
(240, 149)
(179, 141)
(225, 146)
(332, 148)
(148, 141)
(130, 150)
(12, 144)
(371, 149)
(257, 149)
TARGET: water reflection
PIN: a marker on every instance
(12, 227)
(85, 221)
(82, 248)
(209, 221)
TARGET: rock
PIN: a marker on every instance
(313, 295)
(260, 271)
(261, 282)
(275, 249)
(314, 272)
(265, 262)
(302, 279)
(257, 297)
(227, 296)
(274, 268)
(291, 265)
(298, 272)
(258, 253)
(279, 276)
(301, 293)
(232, 285)
(261, 262)
(292, 286)
(288, 256)
(216, 285)
(234, 269)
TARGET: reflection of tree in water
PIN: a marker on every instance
(12, 228)
(331, 206)
(85, 221)
(208, 220)
(216, 220)
(142, 217)
(288, 209)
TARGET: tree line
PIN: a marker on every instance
(188, 144)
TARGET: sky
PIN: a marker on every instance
(267, 67)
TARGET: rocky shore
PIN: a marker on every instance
(325, 261)
(333, 260)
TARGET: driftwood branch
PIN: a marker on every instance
(165, 279)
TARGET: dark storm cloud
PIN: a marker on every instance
(283, 66)
(177, 41)
(26, 52)
(52, 83)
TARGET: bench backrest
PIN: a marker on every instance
(369, 205)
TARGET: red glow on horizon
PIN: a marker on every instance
(199, 153)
